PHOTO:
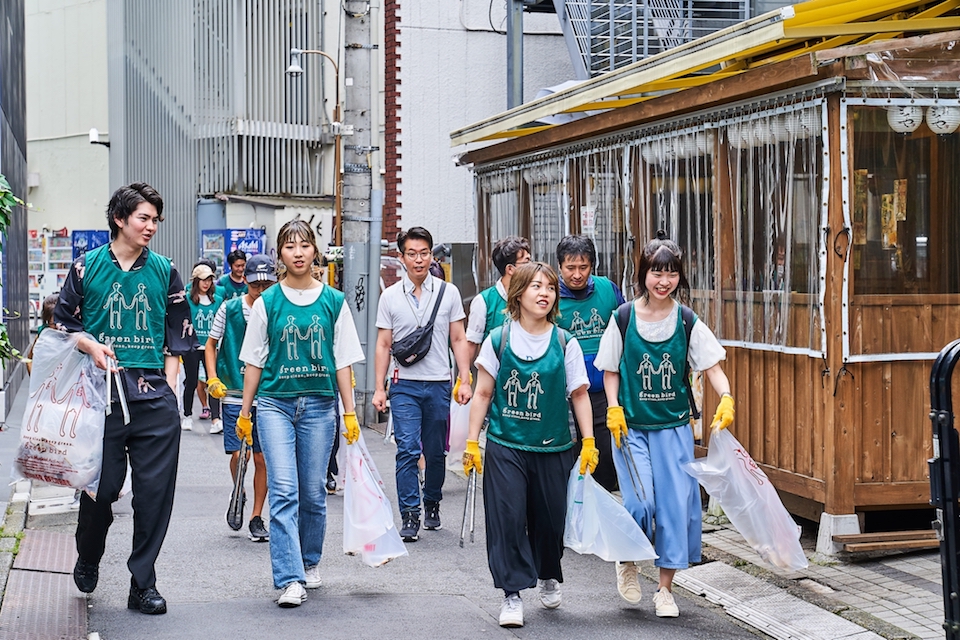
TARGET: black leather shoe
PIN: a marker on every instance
(85, 575)
(146, 600)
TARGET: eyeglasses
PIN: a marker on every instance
(426, 254)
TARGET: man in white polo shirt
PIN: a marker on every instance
(420, 392)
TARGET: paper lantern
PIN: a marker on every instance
(943, 120)
(904, 118)
(704, 142)
(803, 124)
(778, 129)
(762, 133)
(651, 152)
(685, 146)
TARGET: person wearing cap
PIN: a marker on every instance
(204, 300)
(130, 301)
(225, 380)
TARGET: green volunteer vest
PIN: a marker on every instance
(587, 319)
(229, 367)
(301, 360)
(652, 390)
(202, 316)
(228, 290)
(496, 310)
(529, 408)
(128, 306)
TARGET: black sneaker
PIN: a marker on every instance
(431, 516)
(411, 525)
(258, 532)
(85, 575)
(147, 600)
(331, 484)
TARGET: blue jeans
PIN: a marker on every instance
(296, 435)
(420, 410)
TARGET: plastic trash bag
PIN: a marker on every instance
(61, 435)
(597, 523)
(459, 428)
(749, 500)
(368, 529)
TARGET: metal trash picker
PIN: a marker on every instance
(469, 506)
(235, 510)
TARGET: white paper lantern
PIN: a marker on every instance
(803, 124)
(778, 129)
(943, 120)
(740, 135)
(762, 133)
(704, 143)
(686, 146)
(904, 118)
(651, 152)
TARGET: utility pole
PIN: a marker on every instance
(514, 53)
(361, 210)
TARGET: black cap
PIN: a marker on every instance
(260, 267)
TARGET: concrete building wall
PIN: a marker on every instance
(66, 59)
(453, 71)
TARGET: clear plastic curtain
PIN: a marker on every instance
(499, 199)
(775, 168)
(676, 186)
(548, 195)
(603, 215)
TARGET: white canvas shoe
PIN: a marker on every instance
(293, 595)
(511, 611)
(550, 596)
(313, 577)
(666, 606)
(186, 424)
(627, 583)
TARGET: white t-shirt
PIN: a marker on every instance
(347, 349)
(477, 322)
(402, 313)
(704, 350)
(216, 332)
(527, 346)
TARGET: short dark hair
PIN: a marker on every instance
(125, 199)
(207, 261)
(506, 252)
(236, 254)
(576, 245)
(663, 254)
(413, 233)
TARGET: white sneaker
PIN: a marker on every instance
(549, 593)
(293, 595)
(666, 607)
(216, 426)
(511, 611)
(186, 424)
(313, 577)
(627, 583)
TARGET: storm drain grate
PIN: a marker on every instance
(46, 551)
(42, 606)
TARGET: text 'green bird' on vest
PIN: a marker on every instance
(301, 360)
(652, 391)
(529, 408)
(587, 319)
(129, 307)
(229, 367)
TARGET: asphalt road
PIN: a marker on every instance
(217, 582)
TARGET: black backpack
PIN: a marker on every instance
(688, 318)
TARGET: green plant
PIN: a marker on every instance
(8, 203)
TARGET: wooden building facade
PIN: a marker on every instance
(817, 198)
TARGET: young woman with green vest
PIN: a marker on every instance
(526, 369)
(299, 347)
(204, 299)
(649, 416)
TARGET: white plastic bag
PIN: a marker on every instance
(368, 529)
(747, 496)
(61, 435)
(459, 428)
(596, 523)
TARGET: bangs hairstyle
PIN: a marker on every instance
(298, 229)
(522, 278)
(663, 254)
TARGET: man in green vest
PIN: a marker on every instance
(233, 283)
(132, 302)
(488, 308)
(587, 303)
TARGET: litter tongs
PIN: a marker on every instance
(632, 471)
(469, 505)
(113, 368)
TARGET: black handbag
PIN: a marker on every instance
(415, 346)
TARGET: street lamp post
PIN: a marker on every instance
(295, 69)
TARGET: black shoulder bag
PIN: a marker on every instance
(414, 347)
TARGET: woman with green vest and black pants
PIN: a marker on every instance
(299, 347)
(204, 299)
(526, 369)
(649, 416)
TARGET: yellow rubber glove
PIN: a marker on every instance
(456, 385)
(471, 458)
(723, 418)
(245, 428)
(589, 456)
(351, 426)
(617, 424)
(216, 388)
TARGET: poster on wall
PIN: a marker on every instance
(87, 240)
(860, 198)
(250, 241)
(900, 200)
(888, 221)
(211, 247)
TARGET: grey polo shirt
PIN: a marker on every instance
(400, 312)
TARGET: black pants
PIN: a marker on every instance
(191, 374)
(152, 442)
(524, 503)
(605, 473)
